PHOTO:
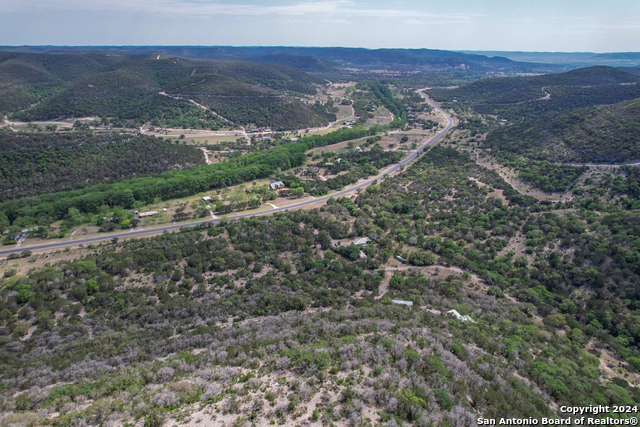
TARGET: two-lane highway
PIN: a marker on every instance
(427, 142)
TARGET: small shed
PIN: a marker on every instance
(206, 199)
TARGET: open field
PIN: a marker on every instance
(212, 140)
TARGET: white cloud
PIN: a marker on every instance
(415, 22)
(312, 9)
(335, 21)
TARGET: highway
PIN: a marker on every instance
(427, 142)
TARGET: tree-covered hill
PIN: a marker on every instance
(310, 64)
(126, 89)
(26, 78)
(603, 133)
(274, 76)
(632, 70)
(42, 68)
(517, 97)
(33, 164)
(242, 101)
(123, 90)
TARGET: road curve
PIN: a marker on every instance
(427, 142)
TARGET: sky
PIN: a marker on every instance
(520, 25)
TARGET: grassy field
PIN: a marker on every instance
(204, 140)
(344, 111)
(340, 147)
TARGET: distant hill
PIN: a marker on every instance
(326, 58)
(632, 70)
(25, 78)
(603, 133)
(38, 68)
(627, 56)
(309, 64)
(48, 86)
(274, 76)
(570, 59)
(517, 97)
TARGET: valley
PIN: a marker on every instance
(252, 236)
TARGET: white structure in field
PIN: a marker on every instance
(361, 241)
(397, 301)
(276, 185)
(141, 215)
(459, 316)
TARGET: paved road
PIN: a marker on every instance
(394, 168)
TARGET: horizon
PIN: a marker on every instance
(479, 51)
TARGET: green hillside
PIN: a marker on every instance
(33, 164)
(309, 64)
(240, 100)
(603, 133)
(26, 78)
(40, 68)
(111, 92)
(277, 77)
(517, 97)
(126, 88)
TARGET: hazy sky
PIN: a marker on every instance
(527, 25)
